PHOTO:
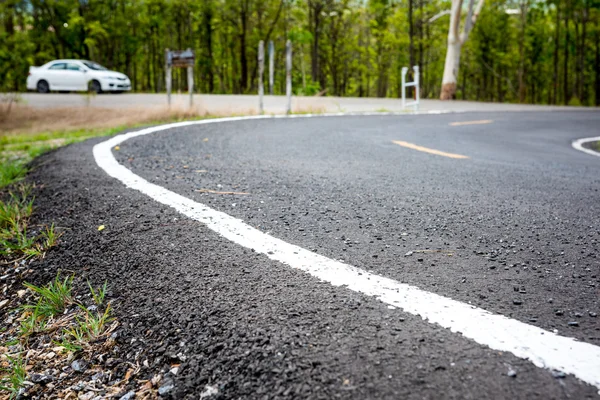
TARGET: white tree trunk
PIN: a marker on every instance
(451, 69)
(455, 43)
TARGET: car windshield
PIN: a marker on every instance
(94, 66)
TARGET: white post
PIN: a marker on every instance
(404, 71)
(288, 75)
(168, 76)
(190, 78)
(261, 70)
(271, 66)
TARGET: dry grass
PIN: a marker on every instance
(23, 119)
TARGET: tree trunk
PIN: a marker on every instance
(455, 44)
(583, 87)
(315, 8)
(566, 93)
(555, 61)
(411, 45)
(243, 55)
(451, 69)
(522, 87)
(597, 66)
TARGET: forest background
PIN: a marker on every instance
(527, 51)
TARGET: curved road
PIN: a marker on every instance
(495, 210)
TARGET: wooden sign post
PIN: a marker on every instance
(180, 59)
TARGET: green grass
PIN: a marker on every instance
(98, 294)
(14, 376)
(11, 172)
(90, 327)
(15, 240)
(35, 321)
(54, 297)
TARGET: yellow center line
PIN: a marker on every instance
(481, 122)
(427, 150)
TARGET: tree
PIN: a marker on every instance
(455, 43)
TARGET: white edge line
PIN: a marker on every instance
(578, 145)
(543, 348)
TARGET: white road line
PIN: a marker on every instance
(578, 145)
(543, 348)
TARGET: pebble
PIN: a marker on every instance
(40, 378)
(559, 312)
(410, 253)
(50, 355)
(209, 391)
(512, 373)
(573, 323)
(517, 302)
(593, 314)
(79, 365)
(86, 396)
(128, 396)
(166, 387)
(3, 303)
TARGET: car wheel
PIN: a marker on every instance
(94, 87)
(43, 87)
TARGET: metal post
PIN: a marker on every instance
(417, 94)
(288, 75)
(404, 71)
(168, 76)
(271, 65)
(261, 70)
(190, 78)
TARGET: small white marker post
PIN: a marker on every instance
(261, 70)
(288, 75)
(405, 84)
(168, 76)
(271, 65)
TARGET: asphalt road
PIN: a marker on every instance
(496, 210)
(244, 104)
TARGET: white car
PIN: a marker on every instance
(76, 75)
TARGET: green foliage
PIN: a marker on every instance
(98, 294)
(342, 47)
(35, 321)
(90, 327)
(11, 172)
(14, 375)
(15, 241)
(54, 297)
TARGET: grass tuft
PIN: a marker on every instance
(54, 297)
(13, 376)
(15, 241)
(98, 294)
(90, 327)
(35, 321)
(11, 172)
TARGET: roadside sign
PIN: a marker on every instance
(180, 58)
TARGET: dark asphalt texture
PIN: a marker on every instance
(515, 221)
